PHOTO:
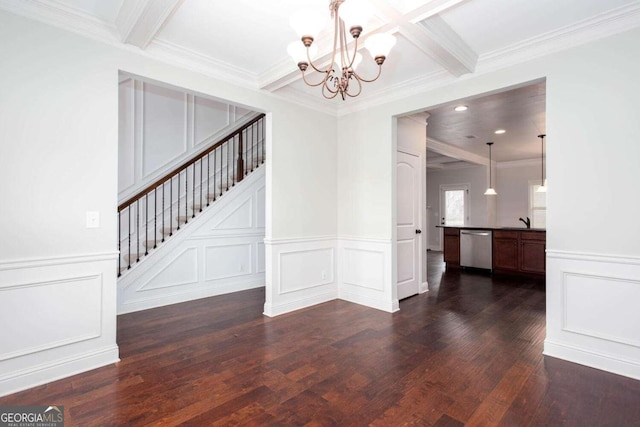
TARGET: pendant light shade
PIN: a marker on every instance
(490, 191)
(543, 180)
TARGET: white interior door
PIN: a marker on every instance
(408, 224)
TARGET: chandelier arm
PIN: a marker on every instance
(333, 94)
(314, 66)
(372, 80)
(304, 77)
(344, 55)
(357, 79)
(326, 86)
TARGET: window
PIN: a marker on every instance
(537, 206)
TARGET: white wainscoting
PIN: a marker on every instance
(366, 274)
(592, 311)
(161, 127)
(303, 273)
(58, 318)
(220, 251)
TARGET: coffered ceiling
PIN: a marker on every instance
(245, 41)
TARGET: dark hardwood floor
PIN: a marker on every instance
(468, 352)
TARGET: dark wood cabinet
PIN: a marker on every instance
(452, 247)
(532, 252)
(513, 251)
(520, 252)
(505, 250)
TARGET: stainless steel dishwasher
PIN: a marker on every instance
(476, 248)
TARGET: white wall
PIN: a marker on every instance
(59, 133)
(476, 178)
(512, 185)
(592, 154)
(162, 127)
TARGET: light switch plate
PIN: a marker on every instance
(93, 219)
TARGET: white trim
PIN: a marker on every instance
(55, 370)
(58, 260)
(364, 239)
(424, 287)
(294, 240)
(593, 359)
(593, 257)
(272, 310)
(378, 304)
(597, 27)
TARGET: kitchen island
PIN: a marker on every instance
(514, 250)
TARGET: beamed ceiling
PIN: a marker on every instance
(244, 42)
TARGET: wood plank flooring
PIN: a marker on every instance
(468, 352)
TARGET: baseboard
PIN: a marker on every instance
(52, 371)
(191, 295)
(592, 359)
(388, 306)
(271, 310)
(424, 287)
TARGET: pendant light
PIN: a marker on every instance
(490, 191)
(543, 180)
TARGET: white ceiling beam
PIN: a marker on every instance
(447, 49)
(139, 21)
(455, 152)
(431, 34)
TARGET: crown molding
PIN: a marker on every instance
(399, 91)
(597, 27)
(201, 63)
(60, 15)
(303, 99)
(606, 24)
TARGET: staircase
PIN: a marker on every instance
(159, 211)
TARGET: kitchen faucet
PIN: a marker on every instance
(527, 222)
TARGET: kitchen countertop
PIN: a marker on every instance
(475, 227)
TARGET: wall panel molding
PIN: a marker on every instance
(583, 297)
(366, 273)
(592, 313)
(58, 316)
(202, 121)
(303, 273)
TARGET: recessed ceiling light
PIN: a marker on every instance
(500, 131)
(459, 108)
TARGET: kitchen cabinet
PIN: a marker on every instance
(452, 247)
(532, 252)
(514, 251)
(519, 252)
(505, 250)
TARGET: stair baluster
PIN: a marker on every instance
(233, 151)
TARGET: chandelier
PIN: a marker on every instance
(340, 76)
